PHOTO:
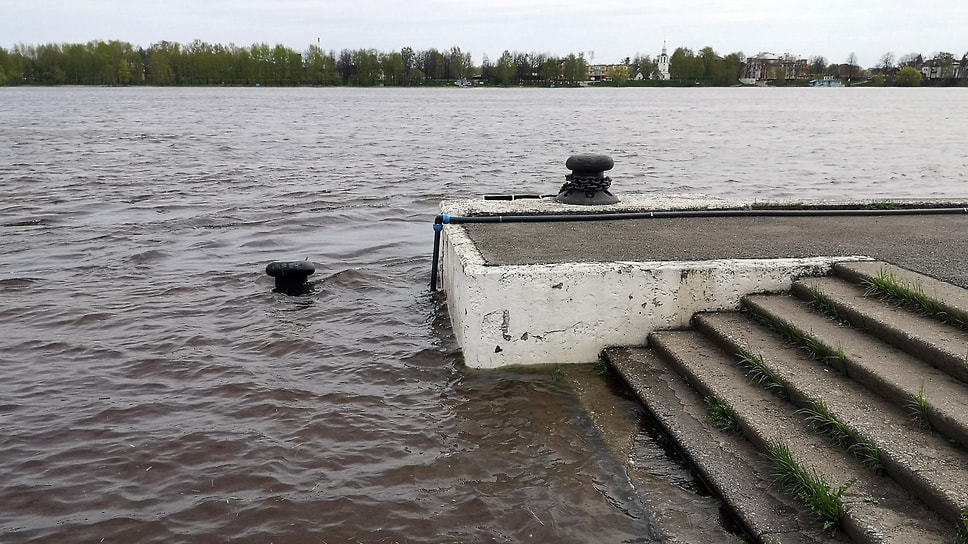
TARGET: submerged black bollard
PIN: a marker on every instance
(291, 276)
(587, 184)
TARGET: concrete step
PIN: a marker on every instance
(905, 380)
(730, 466)
(894, 379)
(952, 299)
(879, 509)
(921, 461)
(942, 345)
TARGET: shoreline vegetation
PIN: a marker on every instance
(116, 63)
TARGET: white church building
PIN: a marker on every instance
(662, 64)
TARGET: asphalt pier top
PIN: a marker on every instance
(935, 245)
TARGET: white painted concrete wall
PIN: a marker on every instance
(568, 313)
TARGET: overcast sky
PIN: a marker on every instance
(607, 31)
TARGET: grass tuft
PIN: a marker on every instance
(813, 346)
(722, 414)
(823, 303)
(820, 418)
(840, 358)
(963, 527)
(808, 485)
(761, 374)
(602, 368)
(919, 407)
(887, 287)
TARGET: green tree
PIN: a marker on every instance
(551, 71)
(683, 65)
(320, 68)
(505, 70)
(124, 73)
(394, 72)
(909, 77)
(434, 64)
(576, 69)
(619, 74)
(947, 62)
(724, 71)
(11, 66)
(460, 63)
(708, 57)
(367, 62)
(160, 71)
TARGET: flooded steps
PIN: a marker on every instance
(912, 485)
(731, 466)
(766, 419)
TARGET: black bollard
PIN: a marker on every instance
(587, 184)
(291, 276)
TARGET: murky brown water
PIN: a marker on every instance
(156, 389)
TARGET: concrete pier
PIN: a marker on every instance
(558, 293)
(866, 395)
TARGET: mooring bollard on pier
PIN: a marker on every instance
(587, 184)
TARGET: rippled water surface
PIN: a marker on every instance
(156, 389)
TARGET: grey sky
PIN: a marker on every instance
(605, 30)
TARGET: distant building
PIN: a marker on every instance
(935, 69)
(770, 67)
(662, 64)
(599, 72)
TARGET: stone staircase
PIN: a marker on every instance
(861, 397)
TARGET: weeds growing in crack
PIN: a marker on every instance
(887, 287)
(820, 418)
(813, 346)
(919, 407)
(761, 374)
(963, 527)
(722, 414)
(822, 302)
(808, 485)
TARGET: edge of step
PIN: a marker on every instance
(952, 298)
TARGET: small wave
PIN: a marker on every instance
(32, 222)
(18, 283)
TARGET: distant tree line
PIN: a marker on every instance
(200, 63)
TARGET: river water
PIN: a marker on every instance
(156, 389)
